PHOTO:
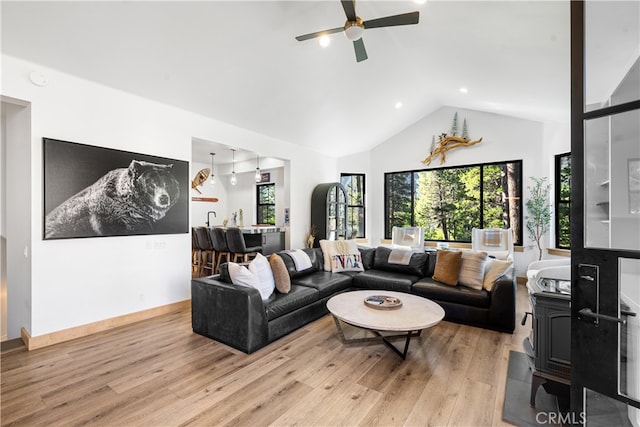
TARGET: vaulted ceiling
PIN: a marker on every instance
(239, 62)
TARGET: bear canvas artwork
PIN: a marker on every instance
(92, 191)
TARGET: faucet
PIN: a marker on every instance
(208, 216)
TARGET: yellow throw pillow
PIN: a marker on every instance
(280, 273)
(447, 267)
(493, 269)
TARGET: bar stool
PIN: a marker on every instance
(237, 246)
(219, 240)
(206, 250)
(196, 253)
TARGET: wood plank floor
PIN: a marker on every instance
(159, 373)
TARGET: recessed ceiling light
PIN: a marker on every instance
(398, 105)
(464, 90)
(324, 41)
(419, 1)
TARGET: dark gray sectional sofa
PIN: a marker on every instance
(237, 316)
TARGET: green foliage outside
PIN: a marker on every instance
(267, 204)
(564, 204)
(354, 184)
(447, 202)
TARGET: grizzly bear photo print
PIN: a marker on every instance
(93, 191)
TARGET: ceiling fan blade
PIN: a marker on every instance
(349, 7)
(361, 52)
(319, 34)
(391, 21)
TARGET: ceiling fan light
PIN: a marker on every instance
(353, 31)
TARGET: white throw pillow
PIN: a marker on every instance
(472, 269)
(258, 276)
(493, 269)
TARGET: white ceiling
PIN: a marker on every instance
(238, 61)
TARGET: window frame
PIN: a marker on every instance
(362, 233)
(558, 200)
(413, 173)
(259, 205)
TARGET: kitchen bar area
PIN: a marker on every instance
(212, 246)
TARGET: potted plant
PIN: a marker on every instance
(539, 211)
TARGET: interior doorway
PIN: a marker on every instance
(15, 217)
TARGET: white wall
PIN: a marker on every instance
(79, 281)
(504, 138)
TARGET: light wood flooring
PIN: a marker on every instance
(159, 373)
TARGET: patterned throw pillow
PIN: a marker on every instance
(331, 248)
(447, 267)
(280, 273)
(347, 262)
(472, 269)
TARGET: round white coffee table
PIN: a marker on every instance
(415, 314)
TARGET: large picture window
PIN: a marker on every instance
(450, 202)
(563, 201)
(354, 184)
(266, 198)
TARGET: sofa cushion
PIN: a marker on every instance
(368, 256)
(326, 283)
(386, 280)
(448, 267)
(472, 269)
(460, 294)
(280, 273)
(415, 267)
(315, 255)
(279, 304)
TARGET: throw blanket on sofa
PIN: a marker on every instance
(400, 256)
(300, 259)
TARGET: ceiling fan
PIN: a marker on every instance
(355, 26)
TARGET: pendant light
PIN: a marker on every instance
(234, 179)
(213, 177)
(258, 174)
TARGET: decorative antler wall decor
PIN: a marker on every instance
(449, 142)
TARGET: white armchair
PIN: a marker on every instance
(497, 242)
(407, 237)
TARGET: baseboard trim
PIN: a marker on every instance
(57, 337)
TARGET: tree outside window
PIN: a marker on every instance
(563, 200)
(449, 202)
(354, 184)
(266, 203)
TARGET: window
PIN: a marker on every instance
(266, 197)
(563, 201)
(450, 202)
(354, 184)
